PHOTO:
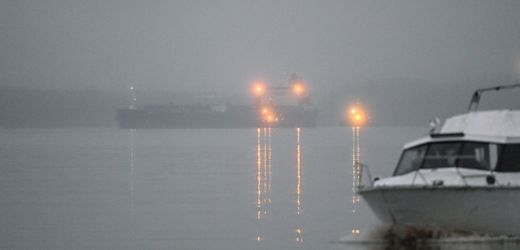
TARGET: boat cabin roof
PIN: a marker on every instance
(496, 126)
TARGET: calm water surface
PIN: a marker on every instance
(189, 189)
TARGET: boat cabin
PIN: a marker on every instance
(462, 154)
(485, 140)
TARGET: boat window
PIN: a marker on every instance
(509, 158)
(442, 155)
(470, 155)
(477, 155)
(411, 159)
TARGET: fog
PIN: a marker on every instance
(422, 57)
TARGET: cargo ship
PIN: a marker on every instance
(286, 106)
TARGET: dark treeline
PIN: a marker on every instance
(30, 107)
(394, 102)
(22, 107)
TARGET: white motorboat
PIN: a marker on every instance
(464, 176)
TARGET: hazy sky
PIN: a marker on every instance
(223, 45)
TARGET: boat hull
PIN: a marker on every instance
(492, 210)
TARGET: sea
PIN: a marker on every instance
(195, 189)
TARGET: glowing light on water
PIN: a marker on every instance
(263, 174)
(298, 173)
(356, 164)
(356, 173)
(357, 118)
(258, 176)
(299, 229)
(132, 180)
(269, 165)
(299, 234)
(264, 183)
(132, 177)
(264, 171)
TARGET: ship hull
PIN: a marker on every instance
(473, 209)
(140, 118)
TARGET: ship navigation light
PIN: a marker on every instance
(258, 88)
(357, 116)
(268, 115)
(298, 88)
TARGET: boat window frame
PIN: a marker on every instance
(461, 148)
(458, 151)
(402, 156)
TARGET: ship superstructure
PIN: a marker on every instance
(286, 105)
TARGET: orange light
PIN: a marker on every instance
(258, 88)
(270, 118)
(357, 116)
(266, 111)
(268, 115)
(298, 88)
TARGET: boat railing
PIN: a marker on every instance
(364, 168)
(418, 173)
(463, 177)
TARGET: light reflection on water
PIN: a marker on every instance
(264, 179)
(263, 176)
(261, 194)
(299, 229)
(356, 179)
(190, 189)
(132, 183)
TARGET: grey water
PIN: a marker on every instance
(190, 189)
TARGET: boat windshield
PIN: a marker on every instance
(471, 155)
